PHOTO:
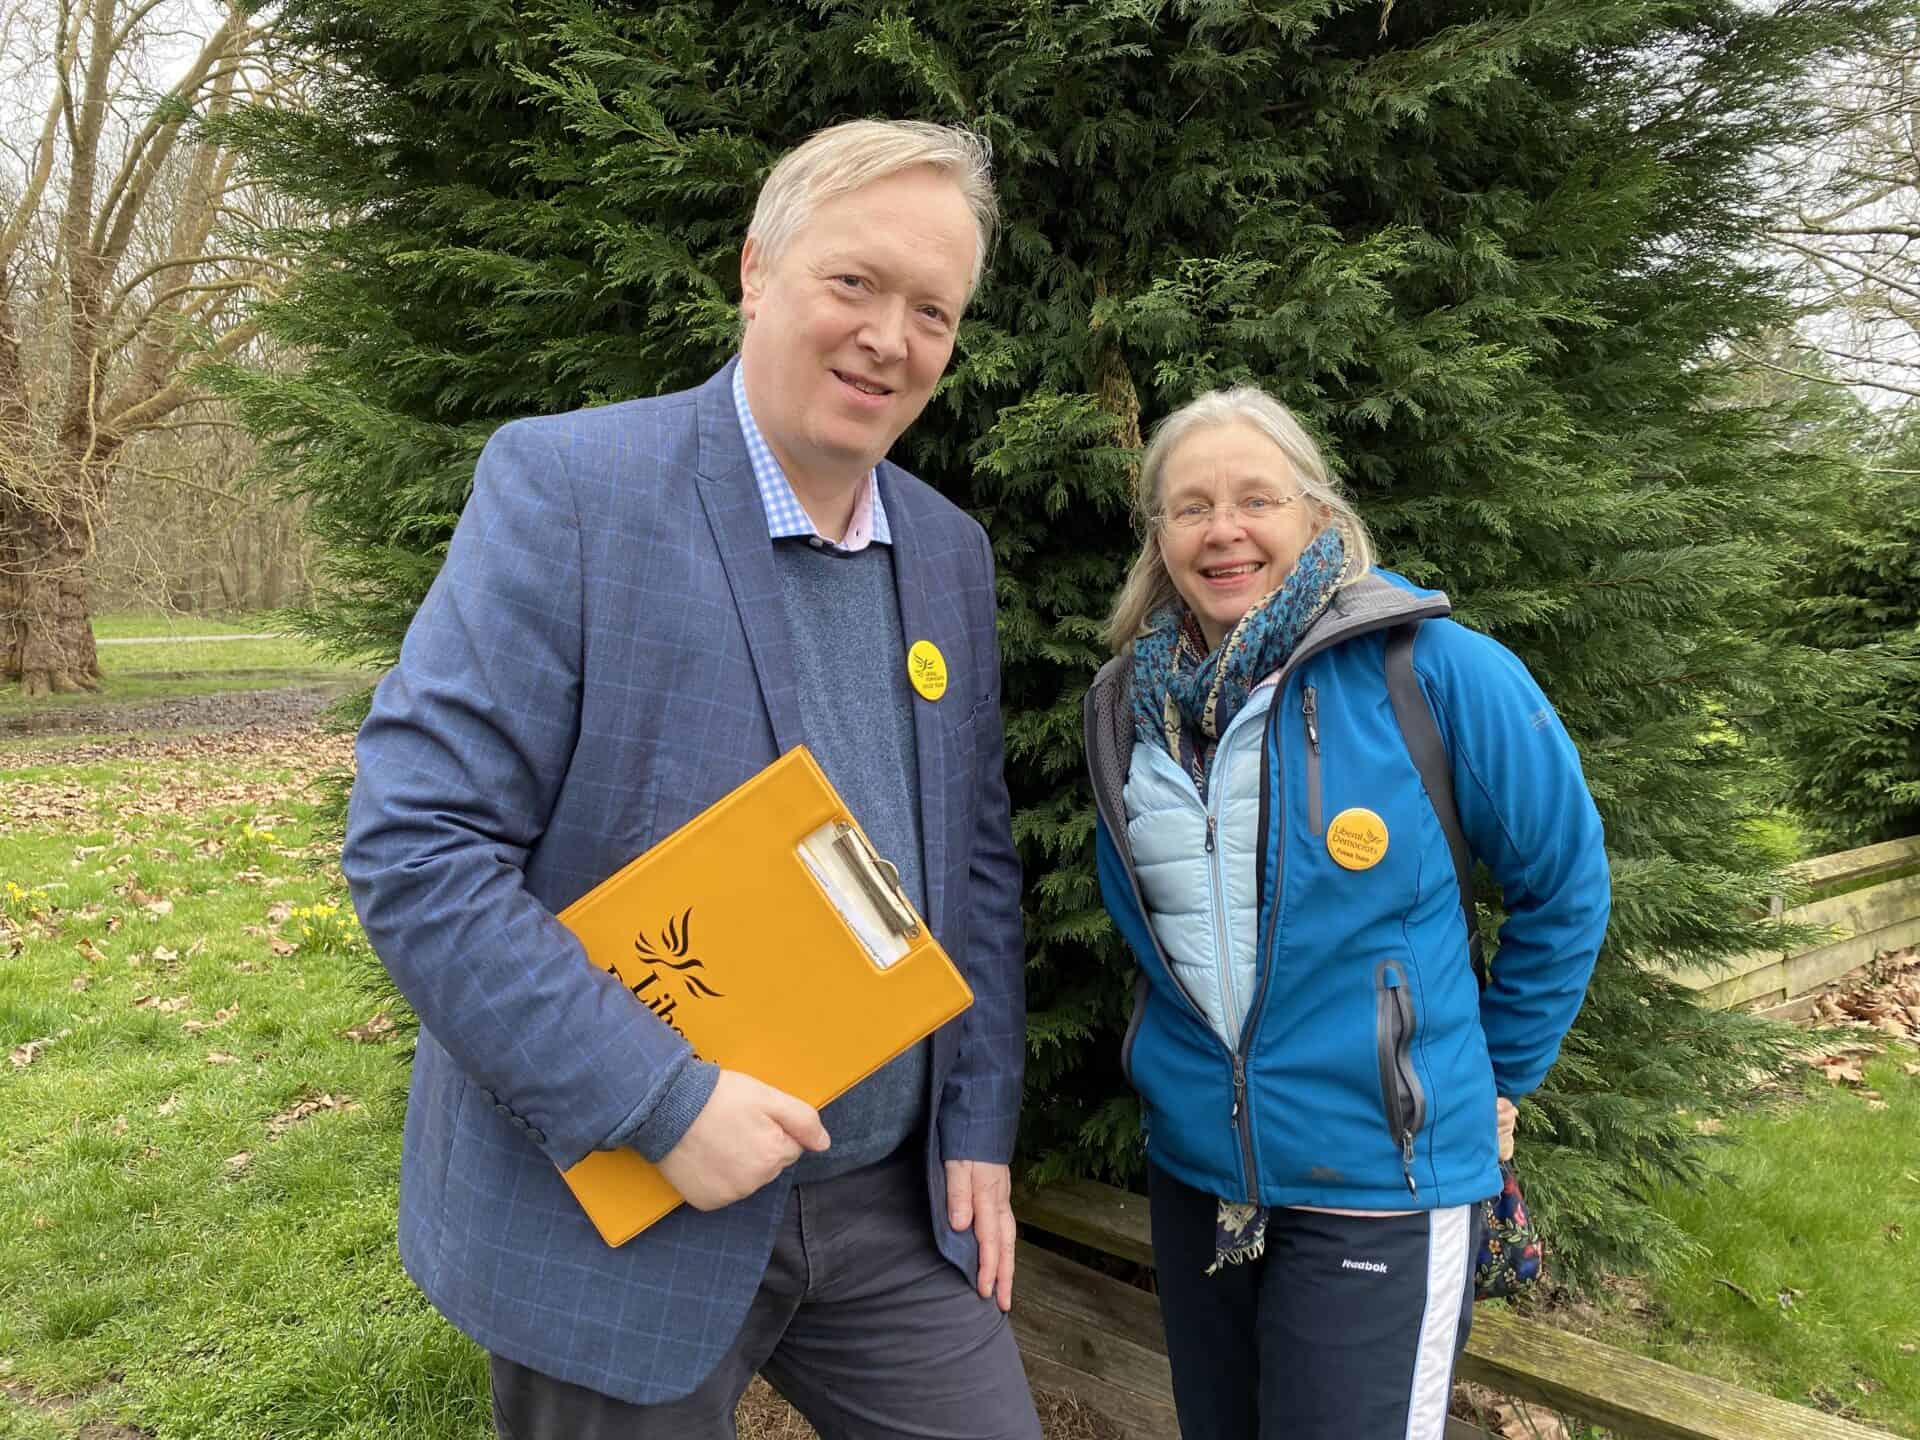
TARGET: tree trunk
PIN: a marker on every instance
(46, 624)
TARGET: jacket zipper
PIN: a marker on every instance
(1310, 714)
(1242, 1122)
(1263, 973)
(1400, 1087)
(1216, 892)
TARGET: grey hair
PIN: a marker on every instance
(1148, 586)
(842, 158)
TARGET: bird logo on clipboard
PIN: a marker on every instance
(673, 972)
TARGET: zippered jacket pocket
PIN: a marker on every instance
(1395, 1024)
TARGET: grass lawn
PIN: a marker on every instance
(1807, 1285)
(161, 671)
(145, 624)
(198, 1161)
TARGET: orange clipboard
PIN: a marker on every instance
(769, 934)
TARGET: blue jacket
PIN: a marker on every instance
(603, 655)
(1322, 1039)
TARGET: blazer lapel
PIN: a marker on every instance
(916, 623)
(739, 521)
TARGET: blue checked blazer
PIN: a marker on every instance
(603, 655)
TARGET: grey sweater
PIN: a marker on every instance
(856, 712)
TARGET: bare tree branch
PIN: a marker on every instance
(1810, 377)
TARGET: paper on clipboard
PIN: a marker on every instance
(834, 855)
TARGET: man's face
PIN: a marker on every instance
(850, 328)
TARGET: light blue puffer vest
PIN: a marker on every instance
(1196, 864)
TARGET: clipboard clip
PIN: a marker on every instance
(879, 878)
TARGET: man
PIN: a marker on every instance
(645, 604)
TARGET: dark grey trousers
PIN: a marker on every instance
(1347, 1328)
(860, 1323)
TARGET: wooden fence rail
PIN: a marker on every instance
(1860, 924)
(1101, 1340)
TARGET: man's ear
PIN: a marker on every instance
(752, 278)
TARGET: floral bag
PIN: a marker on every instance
(1510, 1251)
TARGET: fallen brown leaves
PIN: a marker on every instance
(288, 1118)
(1864, 1012)
(177, 786)
(1840, 1063)
(1514, 1420)
(220, 1017)
(373, 1028)
(1506, 1418)
(24, 1055)
(1884, 998)
(238, 1164)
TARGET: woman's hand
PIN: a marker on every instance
(1504, 1115)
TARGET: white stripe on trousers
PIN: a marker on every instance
(1448, 1232)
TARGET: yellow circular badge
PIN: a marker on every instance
(927, 669)
(1357, 839)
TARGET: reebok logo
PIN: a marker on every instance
(1375, 1266)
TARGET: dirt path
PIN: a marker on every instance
(222, 712)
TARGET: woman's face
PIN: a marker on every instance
(1226, 560)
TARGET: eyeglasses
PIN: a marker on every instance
(1252, 509)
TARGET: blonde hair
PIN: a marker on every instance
(842, 158)
(1148, 586)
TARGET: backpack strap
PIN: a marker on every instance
(1422, 736)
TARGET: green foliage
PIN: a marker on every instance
(1853, 749)
(1490, 251)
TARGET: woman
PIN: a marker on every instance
(1318, 1066)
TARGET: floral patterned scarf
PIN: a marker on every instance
(1185, 697)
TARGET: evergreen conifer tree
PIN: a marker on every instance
(1487, 250)
(1853, 748)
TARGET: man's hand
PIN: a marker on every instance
(746, 1134)
(980, 1197)
(1505, 1114)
